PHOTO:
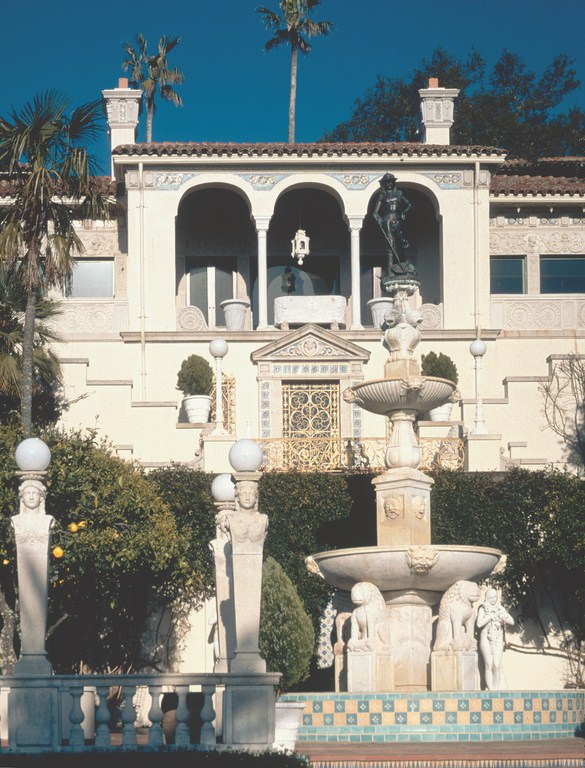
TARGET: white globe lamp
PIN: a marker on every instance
(246, 456)
(32, 455)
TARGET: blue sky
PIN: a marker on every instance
(234, 91)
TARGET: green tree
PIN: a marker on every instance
(511, 108)
(46, 404)
(293, 26)
(287, 639)
(45, 154)
(152, 74)
(123, 557)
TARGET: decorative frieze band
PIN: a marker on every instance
(538, 314)
(545, 241)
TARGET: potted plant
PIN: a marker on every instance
(194, 380)
(440, 366)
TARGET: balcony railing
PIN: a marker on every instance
(324, 454)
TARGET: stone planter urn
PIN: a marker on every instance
(289, 718)
(197, 408)
(235, 312)
(442, 413)
(378, 308)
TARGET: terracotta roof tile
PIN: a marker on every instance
(503, 184)
(214, 149)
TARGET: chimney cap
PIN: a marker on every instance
(123, 82)
(433, 82)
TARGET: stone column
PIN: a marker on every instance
(262, 232)
(355, 225)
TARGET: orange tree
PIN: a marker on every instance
(117, 557)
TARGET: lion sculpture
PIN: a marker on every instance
(455, 622)
(369, 621)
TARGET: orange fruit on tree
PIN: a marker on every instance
(58, 552)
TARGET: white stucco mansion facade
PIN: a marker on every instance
(499, 249)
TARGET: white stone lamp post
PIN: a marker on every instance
(218, 349)
(248, 532)
(478, 349)
(223, 491)
(32, 532)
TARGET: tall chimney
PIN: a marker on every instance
(122, 110)
(437, 112)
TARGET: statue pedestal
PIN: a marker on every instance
(454, 671)
(370, 671)
(403, 507)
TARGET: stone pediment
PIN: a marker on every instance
(311, 343)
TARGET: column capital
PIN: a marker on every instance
(261, 223)
(355, 222)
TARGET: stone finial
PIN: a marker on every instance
(437, 106)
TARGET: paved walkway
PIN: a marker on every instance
(553, 753)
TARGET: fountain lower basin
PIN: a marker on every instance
(429, 568)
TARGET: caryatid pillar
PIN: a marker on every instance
(247, 527)
(32, 533)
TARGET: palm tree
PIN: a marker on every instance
(44, 155)
(152, 74)
(46, 367)
(292, 27)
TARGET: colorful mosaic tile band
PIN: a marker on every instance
(477, 716)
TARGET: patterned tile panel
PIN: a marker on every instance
(472, 716)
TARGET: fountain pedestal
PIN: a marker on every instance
(403, 507)
(454, 671)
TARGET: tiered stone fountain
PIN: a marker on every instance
(387, 643)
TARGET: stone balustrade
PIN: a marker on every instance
(69, 732)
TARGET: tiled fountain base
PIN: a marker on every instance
(412, 717)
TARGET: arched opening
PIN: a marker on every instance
(216, 243)
(326, 270)
(422, 231)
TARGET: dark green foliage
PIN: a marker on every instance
(287, 639)
(440, 366)
(298, 505)
(511, 108)
(122, 552)
(536, 518)
(195, 376)
(160, 758)
(187, 493)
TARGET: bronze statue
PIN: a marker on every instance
(390, 211)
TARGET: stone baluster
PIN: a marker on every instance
(182, 733)
(76, 737)
(129, 717)
(102, 718)
(155, 715)
(207, 715)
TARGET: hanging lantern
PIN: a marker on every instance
(300, 245)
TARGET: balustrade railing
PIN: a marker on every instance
(324, 454)
(119, 728)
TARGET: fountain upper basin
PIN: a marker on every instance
(420, 394)
(394, 568)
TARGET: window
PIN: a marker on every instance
(211, 281)
(562, 274)
(92, 278)
(507, 274)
